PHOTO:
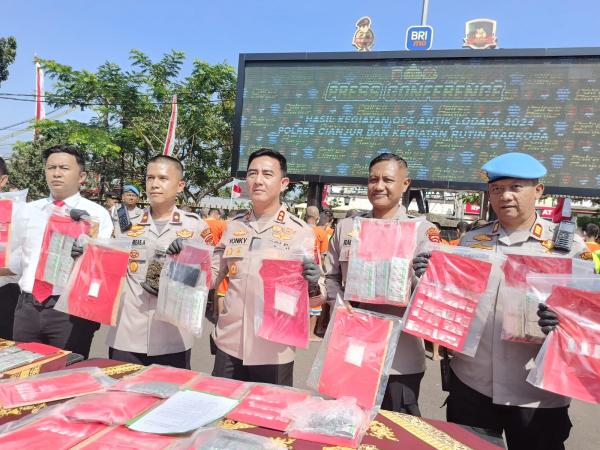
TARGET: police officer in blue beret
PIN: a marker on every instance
(129, 200)
(490, 390)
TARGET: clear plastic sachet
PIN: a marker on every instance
(185, 282)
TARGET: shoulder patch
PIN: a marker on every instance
(207, 236)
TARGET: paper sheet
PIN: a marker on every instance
(184, 412)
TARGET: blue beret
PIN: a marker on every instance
(513, 165)
(131, 188)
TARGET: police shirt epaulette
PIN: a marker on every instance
(481, 226)
(241, 215)
(191, 214)
(298, 221)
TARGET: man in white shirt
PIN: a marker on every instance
(9, 289)
(35, 318)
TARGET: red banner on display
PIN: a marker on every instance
(471, 208)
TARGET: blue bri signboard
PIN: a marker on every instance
(419, 37)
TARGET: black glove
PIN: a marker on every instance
(175, 247)
(548, 318)
(78, 214)
(76, 250)
(149, 288)
(420, 263)
(311, 271)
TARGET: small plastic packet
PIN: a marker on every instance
(55, 262)
(23, 353)
(225, 387)
(283, 314)
(185, 281)
(220, 439)
(513, 287)
(52, 386)
(11, 205)
(47, 429)
(454, 297)
(156, 380)
(569, 361)
(263, 405)
(335, 422)
(96, 282)
(122, 438)
(355, 356)
(110, 408)
(380, 268)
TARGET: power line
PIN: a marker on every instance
(28, 120)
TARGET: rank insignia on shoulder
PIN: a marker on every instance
(481, 246)
(537, 230)
(176, 217)
(185, 234)
(482, 237)
(281, 217)
(548, 244)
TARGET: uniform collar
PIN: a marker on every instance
(279, 218)
(400, 214)
(540, 231)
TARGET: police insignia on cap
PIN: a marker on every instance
(537, 230)
(185, 234)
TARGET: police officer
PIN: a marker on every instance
(490, 390)
(388, 180)
(35, 318)
(138, 337)
(129, 199)
(268, 227)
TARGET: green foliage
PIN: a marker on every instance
(130, 110)
(26, 169)
(8, 52)
(471, 198)
(582, 221)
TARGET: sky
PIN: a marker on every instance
(85, 34)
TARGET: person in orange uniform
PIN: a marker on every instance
(461, 228)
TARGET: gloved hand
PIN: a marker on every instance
(311, 271)
(420, 263)
(76, 250)
(548, 318)
(175, 247)
(78, 214)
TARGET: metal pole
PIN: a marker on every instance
(425, 12)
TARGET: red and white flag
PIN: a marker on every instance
(40, 113)
(326, 190)
(239, 189)
(170, 141)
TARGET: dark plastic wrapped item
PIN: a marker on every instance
(513, 287)
(96, 282)
(185, 281)
(156, 380)
(356, 355)
(569, 361)
(334, 422)
(454, 297)
(219, 439)
(380, 264)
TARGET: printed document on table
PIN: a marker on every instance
(185, 411)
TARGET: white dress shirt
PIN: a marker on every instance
(25, 257)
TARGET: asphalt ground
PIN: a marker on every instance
(585, 434)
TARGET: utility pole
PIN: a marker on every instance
(425, 12)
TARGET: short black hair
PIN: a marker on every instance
(271, 153)
(175, 161)
(3, 168)
(71, 150)
(592, 230)
(462, 226)
(211, 210)
(388, 157)
(113, 194)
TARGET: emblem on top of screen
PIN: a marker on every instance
(363, 38)
(480, 34)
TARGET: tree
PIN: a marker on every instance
(26, 169)
(8, 52)
(130, 113)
